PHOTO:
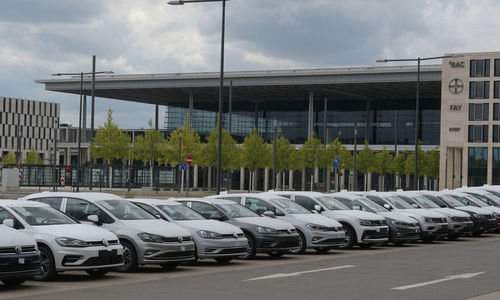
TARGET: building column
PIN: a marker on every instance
(266, 179)
(242, 179)
(316, 175)
(195, 176)
(290, 180)
(310, 115)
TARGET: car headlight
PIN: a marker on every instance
(400, 223)
(70, 242)
(365, 222)
(209, 234)
(478, 216)
(150, 237)
(316, 227)
(266, 230)
(496, 216)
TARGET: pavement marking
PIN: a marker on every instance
(446, 278)
(283, 275)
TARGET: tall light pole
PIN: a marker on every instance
(274, 152)
(221, 84)
(417, 100)
(80, 119)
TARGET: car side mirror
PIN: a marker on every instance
(9, 223)
(318, 208)
(94, 219)
(269, 214)
(415, 205)
(356, 207)
(387, 206)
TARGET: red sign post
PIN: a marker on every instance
(189, 160)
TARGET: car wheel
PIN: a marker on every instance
(13, 282)
(47, 265)
(302, 244)
(276, 254)
(130, 263)
(97, 272)
(350, 238)
(322, 250)
(223, 260)
(251, 248)
(477, 233)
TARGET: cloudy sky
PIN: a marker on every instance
(41, 37)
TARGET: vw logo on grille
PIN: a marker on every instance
(180, 239)
(289, 230)
(235, 235)
(105, 243)
(18, 249)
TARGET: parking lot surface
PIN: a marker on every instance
(442, 270)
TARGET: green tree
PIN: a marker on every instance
(148, 148)
(229, 153)
(285, 153)
(335, 148)
(410, 162)
(33, 158)
(110, 143)
(399, 165)
(10, 158)
(431, 168)
(365, 162)
(254, 154)
(190, 145)
(384, 164)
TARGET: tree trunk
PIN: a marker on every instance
(110, 177)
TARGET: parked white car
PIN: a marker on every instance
(316, 232)
(145, 239)
(361, 228)
(432, 224)
(19, 256)
(214, 239)
(64, 244)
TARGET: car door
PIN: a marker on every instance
(209, 211)
(305, 202)
(259, 206)
(80, 210)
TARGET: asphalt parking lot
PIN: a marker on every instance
(442, 270)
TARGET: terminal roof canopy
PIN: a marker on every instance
(393, 85)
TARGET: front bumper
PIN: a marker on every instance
(228, 247)
(375, 234)
(87, 258)
(279, 242)
(404, 233)
(434, 230)
(455, 228)
(160, 253)
(317, 239)
(19, 266)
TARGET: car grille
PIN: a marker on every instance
(20, 268)
(176, 239)
(12, 250)
(438, 220)
(460, 219)
(103, 261)
(174, 255)
(101, 243)
(233, 251)
(377, 222)
(226, 236)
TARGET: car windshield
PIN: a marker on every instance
(398, 203)
(372, 205)
(42, 215)
(332, 204)
(487, 196)
(494, 193)
(424, 202)
(452, 200)
(236, 211)
(180, 212)
(290, 207)
(476, 199)
(125, 210)
(435, 200)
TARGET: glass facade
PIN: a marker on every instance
(478, 163)
(496, 166)
(479, 89)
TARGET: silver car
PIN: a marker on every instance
(214, 239)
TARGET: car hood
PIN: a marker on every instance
(317, 219)
(12, 237)
(363, 215)
(267, 222)
(84, 232)
(210, 225)
(450, 212)
(397, 216)
(494, 209)
(422, 212)
(159, 227)
(474, 209)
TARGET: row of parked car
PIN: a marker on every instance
(52, 232)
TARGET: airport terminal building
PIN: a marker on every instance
(458, 112)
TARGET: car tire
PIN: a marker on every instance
(223, 260)
(302, 244)
(47, 265)
(130, 262)
(477, 233)
(276, 254)
(323, 250)
(13, 282)
(350, 238)
(97, 272)
(251, 248)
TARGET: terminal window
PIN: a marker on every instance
(478, 112)
(479, 67)
(478, 133)
(479, 90)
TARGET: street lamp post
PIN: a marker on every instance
(221, 85)
(80, 119)
(274, 152)
(417, 100)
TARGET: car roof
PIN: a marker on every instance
(91, 196)
(349, 196)
(305, 193)
(206, 200)
(11, 203)
(155, 201)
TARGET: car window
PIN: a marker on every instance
(206, 210)
(55, 202)
(80, 209)
(332, 203)
(5, 214)
(180, 212)
(235, 199)
(236, 210)
(260, 206)
(290, 206)
(149, 209)
(305, 202)
(125, 210)
(377, 200)
(286, 196)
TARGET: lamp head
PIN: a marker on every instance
(176, 2)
